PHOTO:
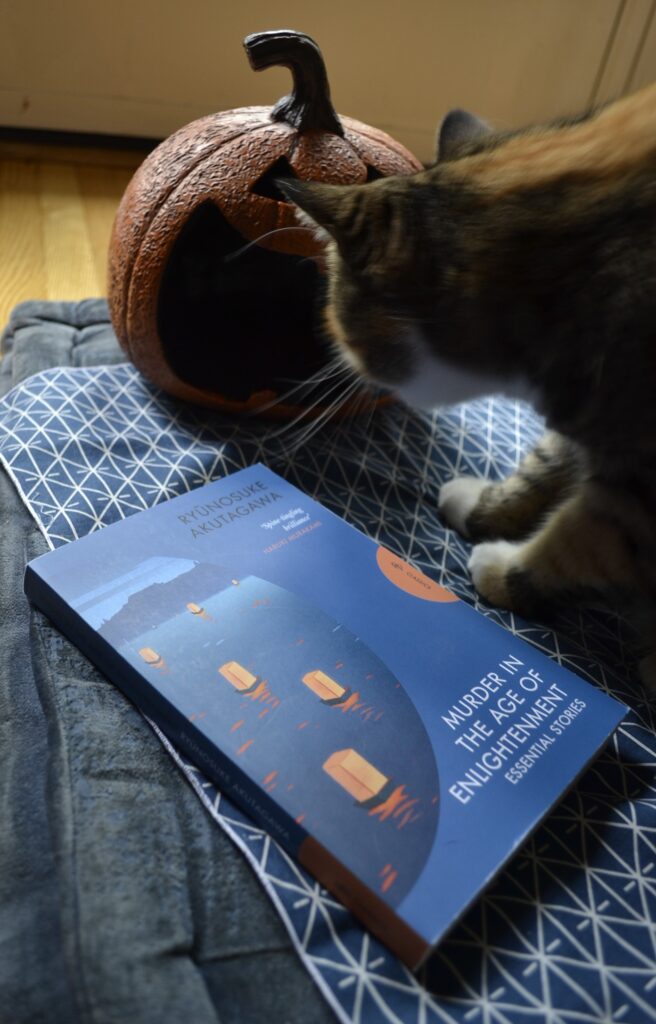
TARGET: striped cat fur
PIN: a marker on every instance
(522, 262)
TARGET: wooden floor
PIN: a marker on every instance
(57, 205)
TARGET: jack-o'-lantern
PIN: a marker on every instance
(214, 287)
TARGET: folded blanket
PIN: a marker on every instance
(144, 909)
(120, 898)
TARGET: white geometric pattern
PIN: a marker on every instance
(567, 933)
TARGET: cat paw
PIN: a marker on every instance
(458, 498)
(489, 566)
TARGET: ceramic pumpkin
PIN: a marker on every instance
(208, 296)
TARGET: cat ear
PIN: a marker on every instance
(328, 206)
(458, 130)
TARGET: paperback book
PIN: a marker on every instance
(397, 742)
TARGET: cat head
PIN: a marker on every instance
(388, 246)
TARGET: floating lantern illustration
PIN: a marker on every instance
(198, 611)
(153, 658)
(389, 876)
(334, 694)
(372, 790)
(248, 685)
(239, 677)
(325, 687)
(356, 775)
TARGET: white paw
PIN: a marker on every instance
(457, 500)
(491, 560)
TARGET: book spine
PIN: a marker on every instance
(218, 767)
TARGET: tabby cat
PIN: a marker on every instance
(522, 262)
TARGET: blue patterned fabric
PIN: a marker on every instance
(568, 931)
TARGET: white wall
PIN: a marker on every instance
(145, 67)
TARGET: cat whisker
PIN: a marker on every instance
(320, 421)
(356, 388)
(334, 365)
(288, 427)
(361, 408)
(411, 320)
(301, 387)
(331, 368)
(315, 423)
(256, 241)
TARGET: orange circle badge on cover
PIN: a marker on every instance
(411, 580)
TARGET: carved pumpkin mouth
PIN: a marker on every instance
(266, 184)
(235, 318)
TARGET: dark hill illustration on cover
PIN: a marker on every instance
(161, 597)
(304, 707)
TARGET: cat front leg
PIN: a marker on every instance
(512, 508)
(580, 551)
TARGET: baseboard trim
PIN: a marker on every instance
(78, 140)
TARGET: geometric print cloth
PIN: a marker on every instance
(567, 932)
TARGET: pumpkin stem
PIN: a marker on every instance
(308, 107)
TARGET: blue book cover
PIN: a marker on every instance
(398, 743)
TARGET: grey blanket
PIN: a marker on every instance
(118, 901)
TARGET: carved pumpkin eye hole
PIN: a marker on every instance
(266, 183)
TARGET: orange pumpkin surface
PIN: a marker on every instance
(208, 296)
